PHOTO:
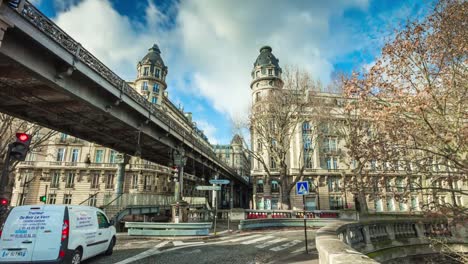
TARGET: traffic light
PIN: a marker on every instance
(19, 149)
(4, 202)
(43, 198)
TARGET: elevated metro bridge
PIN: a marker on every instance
(48, 78)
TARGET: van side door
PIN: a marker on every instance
(104, 235)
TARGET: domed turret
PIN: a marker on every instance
(151, 78)
(266, 74)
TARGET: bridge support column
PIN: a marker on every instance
(231, 196)
(123, 161)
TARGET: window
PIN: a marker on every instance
(336, 203)
(259, 146)
(67, 198)
(308, 160)
(147, 183)
(306, 128)
(310, 203)
(330, 144)
(272, 163)
(95, 181)
(75, 154)
(157, 73)
(228, 153)
(414, 185)
(403, 206)
(390, 204)
(55, 180)
(99, 156)
(60, 154)
(307, 142)
(373, 165)
(257, 96)
(414, 203)
(334, 183)
(378, 205)
(259, 186)
(70, 180)
(155, 88)
(270, 72)
(134, 184)
(274, 186)
(102, 220)
(110, 181)
(63, 137)
(332, 163)
(441, 200)
(400, 184)
(112, 156)
(388, 185)
(257, 73)
(144, 86)
(92, 200)
(145, 71)
(52, 198)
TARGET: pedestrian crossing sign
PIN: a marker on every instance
(302, 188)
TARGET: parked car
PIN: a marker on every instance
(55, 234)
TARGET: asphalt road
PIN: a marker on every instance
(272, 246)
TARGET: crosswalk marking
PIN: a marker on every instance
(145, 254)
(271, 242)
(243, 238)
(287, 245)
(257, 240)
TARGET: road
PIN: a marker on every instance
(281, 246)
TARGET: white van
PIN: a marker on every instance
(55, 234)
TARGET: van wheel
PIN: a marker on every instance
(76, 257)
(110, 249)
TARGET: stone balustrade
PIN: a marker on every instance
(383, 238)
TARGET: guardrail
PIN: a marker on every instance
(168, 229)
(385, 239)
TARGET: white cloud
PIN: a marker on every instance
(209, 130)
(213, 44)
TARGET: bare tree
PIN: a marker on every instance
(275, 121)
(9, 126)
(414, 101)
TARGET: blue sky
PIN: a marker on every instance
(209, 46)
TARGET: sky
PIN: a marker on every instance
(209, 46)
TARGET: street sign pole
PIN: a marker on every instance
(305, 224)
(302, 188)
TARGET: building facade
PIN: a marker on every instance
(68, 170)
(326, 169)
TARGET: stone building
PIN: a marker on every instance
(325, 167)
(68, 170)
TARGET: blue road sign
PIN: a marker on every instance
(302, 188)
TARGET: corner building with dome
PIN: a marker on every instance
(324, 167)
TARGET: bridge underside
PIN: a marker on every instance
(30, 98)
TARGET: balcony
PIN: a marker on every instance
(54, 185)
(94, 186)
(69, 185)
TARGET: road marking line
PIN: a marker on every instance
(145, 254)
(257, 240)
(287, 245)
(182, 243)
(243, 238)
(229, 237)
(269, 243)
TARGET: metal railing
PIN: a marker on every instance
(55, 33)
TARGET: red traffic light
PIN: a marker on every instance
(23, 137)
(3, 201)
